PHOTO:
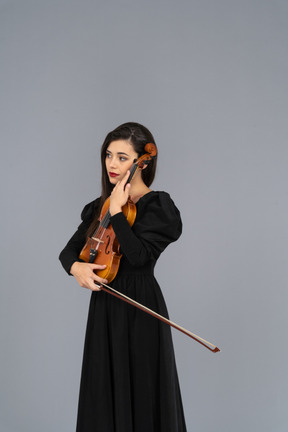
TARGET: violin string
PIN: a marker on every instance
(102, 227)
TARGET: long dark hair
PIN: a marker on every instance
(138, 135)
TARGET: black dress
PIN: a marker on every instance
(129, 380)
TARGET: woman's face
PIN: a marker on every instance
(119, 159)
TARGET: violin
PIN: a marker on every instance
(103, 247)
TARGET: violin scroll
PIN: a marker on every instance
(151, 152)
(151, 149)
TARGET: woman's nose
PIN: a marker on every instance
(113, 163)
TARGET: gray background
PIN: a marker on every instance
(209, 78)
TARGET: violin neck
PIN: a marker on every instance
(133, 170)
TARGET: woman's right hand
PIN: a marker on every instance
(85, 276)
(119, 195)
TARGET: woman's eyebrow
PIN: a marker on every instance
(119, 153)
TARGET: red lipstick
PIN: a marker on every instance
(111, 174)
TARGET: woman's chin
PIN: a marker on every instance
(113, 180)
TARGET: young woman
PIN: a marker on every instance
(129, 380)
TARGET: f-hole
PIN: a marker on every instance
(107, 252)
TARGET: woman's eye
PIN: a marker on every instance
(123, 159)
(108, 155)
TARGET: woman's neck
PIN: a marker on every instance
(138, 189)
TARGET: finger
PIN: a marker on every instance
(98, 266)
(127, 188)
(116, 186)
(98, 280)
(92, 286)
(125, 178)
(97, 287)
(126, 185)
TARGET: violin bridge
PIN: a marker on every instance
(98, 240)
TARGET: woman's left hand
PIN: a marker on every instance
(119, 195)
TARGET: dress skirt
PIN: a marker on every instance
(129, 380)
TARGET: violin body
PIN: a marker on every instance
(104, 244)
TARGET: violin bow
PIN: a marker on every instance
(127, 299)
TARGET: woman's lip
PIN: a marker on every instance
(111, 174)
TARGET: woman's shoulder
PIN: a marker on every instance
(158, 202)
(156, 198)
(90, 209)
(157, 212)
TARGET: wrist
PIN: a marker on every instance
(73, 268)
(115, 210)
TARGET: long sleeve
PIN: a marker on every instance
(71, 251)
(157, 224)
